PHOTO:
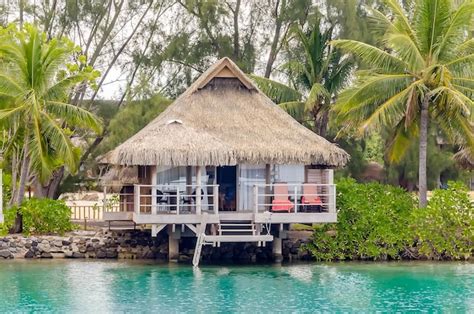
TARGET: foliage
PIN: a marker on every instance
(422, 73)
(445, 229)
(372, 223)
(45, 216)
(9, 215)
(317, 70)
(135, 115)
(380, 222)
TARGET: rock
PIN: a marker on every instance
(66, 242)
(78, 255)
(27, 245)
(42, 247)
(58, 243)
(183, 258)
(111, 253)
(101, 254)
(6, 254)
(46, 255)
(29, 254)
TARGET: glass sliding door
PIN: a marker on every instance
(248, 176)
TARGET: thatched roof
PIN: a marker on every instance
(120, 176)
(223, 119)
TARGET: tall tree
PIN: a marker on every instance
(423, 75)
(318, 71)
(35, 86)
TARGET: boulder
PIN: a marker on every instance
(6, 254)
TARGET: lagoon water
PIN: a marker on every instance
(118, 286)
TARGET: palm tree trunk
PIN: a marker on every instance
(25, 166)
(422, 178)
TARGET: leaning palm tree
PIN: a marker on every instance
(423, 75)
(35, 82)
(318, 70)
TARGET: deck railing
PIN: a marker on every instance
(175, 199)
(321, 199)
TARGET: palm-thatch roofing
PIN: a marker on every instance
(224, 119)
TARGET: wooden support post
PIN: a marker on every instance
(268, 181)
(189, 180)
(277, 249)
(198, 190)
(173, 244)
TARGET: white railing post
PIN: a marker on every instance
(296, 199)
(104, 200)
(136, 193)
(215, 198)
(333, 199)
(177, 201)
(255, 198)
(154, 204)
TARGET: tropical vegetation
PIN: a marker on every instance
(36, 82)
(390, 81)
(383, 222)
(420, 76)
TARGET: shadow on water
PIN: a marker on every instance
(125, 286)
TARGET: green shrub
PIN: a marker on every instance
(445, 229)
(9, 215)
(45, 216)
(373, 222)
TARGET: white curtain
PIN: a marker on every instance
(248, 177)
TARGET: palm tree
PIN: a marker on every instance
(423, 75)
(35, 82)
(320, 71)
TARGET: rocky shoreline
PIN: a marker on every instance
(138, 245)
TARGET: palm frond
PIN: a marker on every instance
(390, 112)
(74, 115)
(373, 56)
(296, 109)
(276, 91)
(406, 49)
(455, 33)
(317, 92)
(60, 141)
(431, 20)
(401, 141)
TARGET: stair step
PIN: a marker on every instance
(236, 230)
(235, 225)
(238, 238)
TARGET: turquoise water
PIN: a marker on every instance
(111, 287)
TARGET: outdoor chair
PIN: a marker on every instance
(161, 199)
(191, 200)
(310, 200)
(281, 201)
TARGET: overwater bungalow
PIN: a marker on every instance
(223, 163)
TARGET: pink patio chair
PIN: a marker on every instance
(281, 201)
(310, 199)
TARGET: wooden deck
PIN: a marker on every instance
(263, 217)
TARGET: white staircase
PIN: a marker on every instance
(229, 231)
